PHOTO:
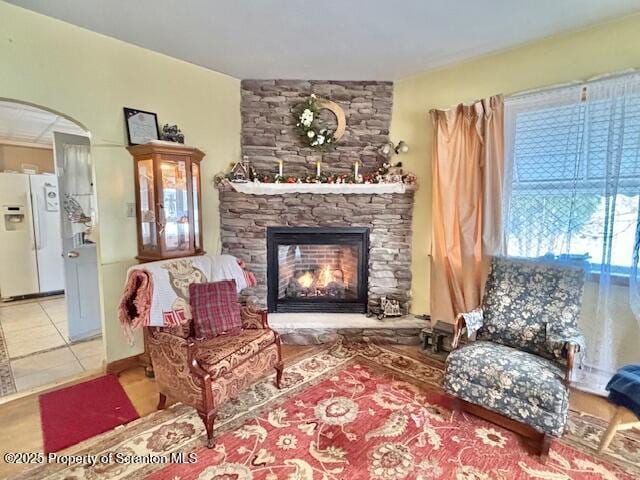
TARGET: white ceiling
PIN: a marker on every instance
(329, 39)
(24, 124)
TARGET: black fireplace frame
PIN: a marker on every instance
(317, 236)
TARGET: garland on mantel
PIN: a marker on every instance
(384, 174)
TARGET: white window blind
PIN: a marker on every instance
(573, 167)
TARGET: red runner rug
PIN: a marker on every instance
(82, 411)
(365, 423)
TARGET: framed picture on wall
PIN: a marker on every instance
(142, 127)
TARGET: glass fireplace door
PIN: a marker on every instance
(318, 272)
(317, 269)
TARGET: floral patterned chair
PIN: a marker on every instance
(517, 372)
(206, 373)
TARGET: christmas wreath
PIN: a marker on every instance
(313, 133)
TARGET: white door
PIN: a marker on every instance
(45, 206)
(79, 254)
(18, 269)
(83, 301)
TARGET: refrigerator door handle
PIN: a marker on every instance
(35, 211)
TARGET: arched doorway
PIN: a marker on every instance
(49, 315)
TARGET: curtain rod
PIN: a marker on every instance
(575, 83)
(548, 88)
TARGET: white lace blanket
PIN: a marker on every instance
(157, 293)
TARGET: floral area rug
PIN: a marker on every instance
(352, 412)
(7, 383)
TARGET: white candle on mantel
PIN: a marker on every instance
(355, 170)
(280, 164)
(318, 168)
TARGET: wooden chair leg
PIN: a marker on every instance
(611, 430)
(279, 370)
(162, 401)
(545, 444)
(208, 418)
(280, 364)
(537, 442)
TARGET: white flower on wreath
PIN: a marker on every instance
(311, 134)
(320, 139)
(306, 117)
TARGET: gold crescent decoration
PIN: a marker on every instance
(337, 110)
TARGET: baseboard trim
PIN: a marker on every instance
(123, 364)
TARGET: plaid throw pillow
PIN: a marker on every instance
(215, 308)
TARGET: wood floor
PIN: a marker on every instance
(20, 419)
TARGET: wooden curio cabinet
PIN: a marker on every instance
(168, 200)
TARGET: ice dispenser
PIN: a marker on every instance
(14, 218)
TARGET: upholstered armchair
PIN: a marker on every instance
(517, 371)
(206, 373)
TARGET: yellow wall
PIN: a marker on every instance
(90, 77)
(577, 55)
(12, 157)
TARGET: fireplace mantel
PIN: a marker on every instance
(251, 188)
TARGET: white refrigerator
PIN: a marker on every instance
(30, 238)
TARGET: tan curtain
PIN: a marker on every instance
(468, 172)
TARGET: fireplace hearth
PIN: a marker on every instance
(313, 269)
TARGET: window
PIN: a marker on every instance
(575, 178)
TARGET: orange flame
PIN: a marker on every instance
(325, 277)
(306, 280)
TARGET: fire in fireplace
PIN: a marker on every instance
(317, 269)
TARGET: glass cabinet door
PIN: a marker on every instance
(148, 214)
(174, 205)
(195, 174)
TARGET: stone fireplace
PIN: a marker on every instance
(369, 255)
(246, 220)
(317, 269)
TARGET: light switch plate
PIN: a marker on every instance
(131, 210)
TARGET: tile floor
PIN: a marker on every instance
(38, 343)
